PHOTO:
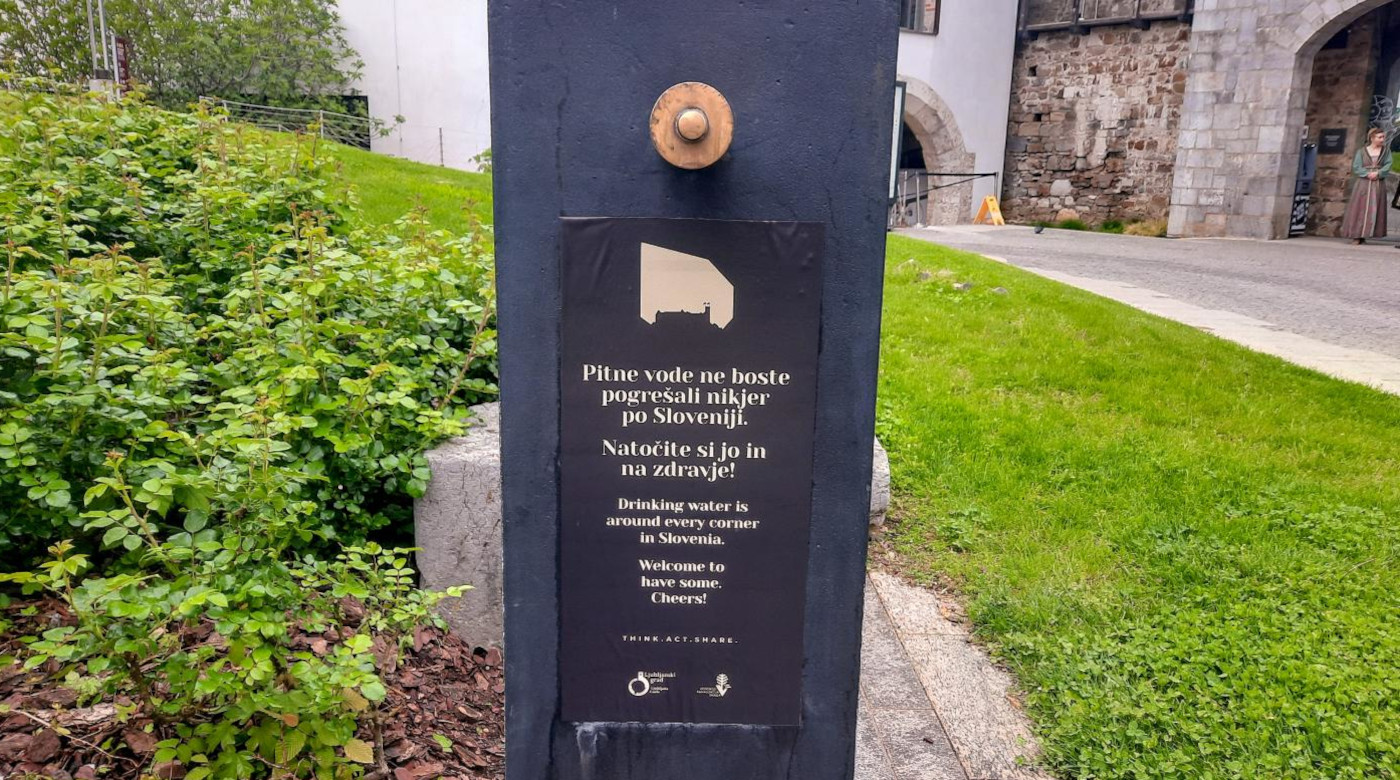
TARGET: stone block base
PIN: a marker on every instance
(457, 526)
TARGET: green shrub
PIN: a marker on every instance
(1072, 224)
(176, 286)
(212, 376)
(1111, 226)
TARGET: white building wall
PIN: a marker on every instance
(968, 64)
(426, 61)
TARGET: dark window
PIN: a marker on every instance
(1035, 71)
(919, 15)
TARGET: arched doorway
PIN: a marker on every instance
(935, 146)
(1245, 112)
(1352, 89)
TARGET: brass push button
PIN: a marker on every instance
(692, 125)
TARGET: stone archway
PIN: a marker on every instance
(945, 151)
(1245, 106)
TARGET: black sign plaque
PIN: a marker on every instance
(1333, 140)
(687, 407)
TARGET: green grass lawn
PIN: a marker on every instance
(1186, 551)
(389, 187)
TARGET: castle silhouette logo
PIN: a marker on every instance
(676, 283)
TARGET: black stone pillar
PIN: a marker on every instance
(583, 203)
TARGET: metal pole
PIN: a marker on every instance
(102, 20)
(321, 121)
(92, 38)
(926, 202)
(442, 160)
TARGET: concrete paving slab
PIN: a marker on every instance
(872, 762)
(898, 733)
(915, 610)
(970, 694)
(973, 699)
(917, 747)
(933, 705)
(887, 677)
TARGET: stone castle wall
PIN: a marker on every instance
(1094, 123)
(1342, 86)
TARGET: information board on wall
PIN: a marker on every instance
(687, 409)
(1333, 140)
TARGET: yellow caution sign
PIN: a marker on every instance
(990, 213)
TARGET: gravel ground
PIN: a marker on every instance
(1327, 289)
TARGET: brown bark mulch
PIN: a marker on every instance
(444, 715)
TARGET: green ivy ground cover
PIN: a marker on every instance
(1186, 551)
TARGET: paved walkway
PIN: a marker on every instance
(933, 706)
(1320, 303)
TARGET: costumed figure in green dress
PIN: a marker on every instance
(1366, 208)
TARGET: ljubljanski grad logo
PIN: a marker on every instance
(649, 683)
(639, 685)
